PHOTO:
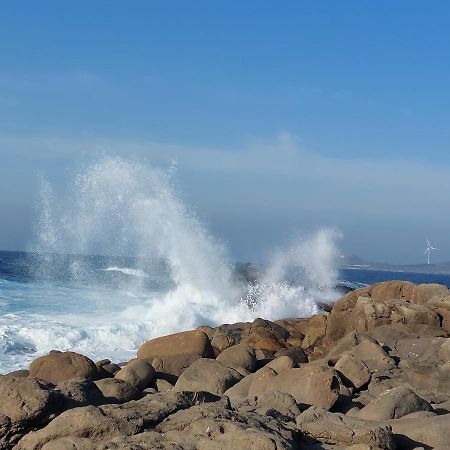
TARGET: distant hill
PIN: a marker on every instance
(355, 262)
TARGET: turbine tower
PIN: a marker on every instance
(428, 250)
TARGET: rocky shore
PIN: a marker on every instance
(373, 373)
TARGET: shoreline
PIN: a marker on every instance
(291, 383)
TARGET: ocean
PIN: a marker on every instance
(114, 304)
(53, 297)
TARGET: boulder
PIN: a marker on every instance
(297, 354)
(353, 370)
(238, 357)
(281, 363)
(117, 391)
(60, 366)
(80, 392)
(217, 426)
(338, 429)
(393, 404)
(25, 400)
(138, 372)
(422, 431)
(315, 331)
(111, 421)
(170, 355)
(162, 385)
(261, 382)
(373, 356)
(207, 375)
(310, 384)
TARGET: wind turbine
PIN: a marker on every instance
(428, 250)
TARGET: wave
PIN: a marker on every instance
(120, 208)
(127, 271)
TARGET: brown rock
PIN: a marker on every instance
(207, 375)
(393, 404)
(170, 355)
(60, 366)
(339, 429)
(353, 370)
(118, 391)
(373, 356)
(310, 385)
(316, 329)
(138, 372)
(238, 357)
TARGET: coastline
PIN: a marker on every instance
(371, 373)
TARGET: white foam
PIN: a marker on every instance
(119, 207)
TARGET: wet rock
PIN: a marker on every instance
(60, 366)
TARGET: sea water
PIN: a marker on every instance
(119, 258)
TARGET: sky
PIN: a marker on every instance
(283, 117)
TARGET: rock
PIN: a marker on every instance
(238, 357)
(309, 385)
(429, 432)
(118, 391)
(373, 356)
(18, 374)
(275, 404)
(111, 421)
(317, 326)
(261, 338)
(216, 426)
(393, 404)
(110, 369)
(207, 375)
(60, 366)
(338, 429)
(162, 385)
(138, 372)
(240, 390)
(282, 363)
(423, 293)
(80, 392)
(261, 381)
(25, 400)
(170, 355)
(353, 370)
(297, 354)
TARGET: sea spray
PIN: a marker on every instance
(121, 258)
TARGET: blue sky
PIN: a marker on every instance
(293, 114)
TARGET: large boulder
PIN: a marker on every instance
(393, 404)
(138, 372)
(426, 431)
(238, 357)
(373, 356)
(338, 429)
(25, 400)
(171, 354)
(315, 331)
(310, 384)
(384, 309)
(207, 375)
(60, 366)
(98, 424)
